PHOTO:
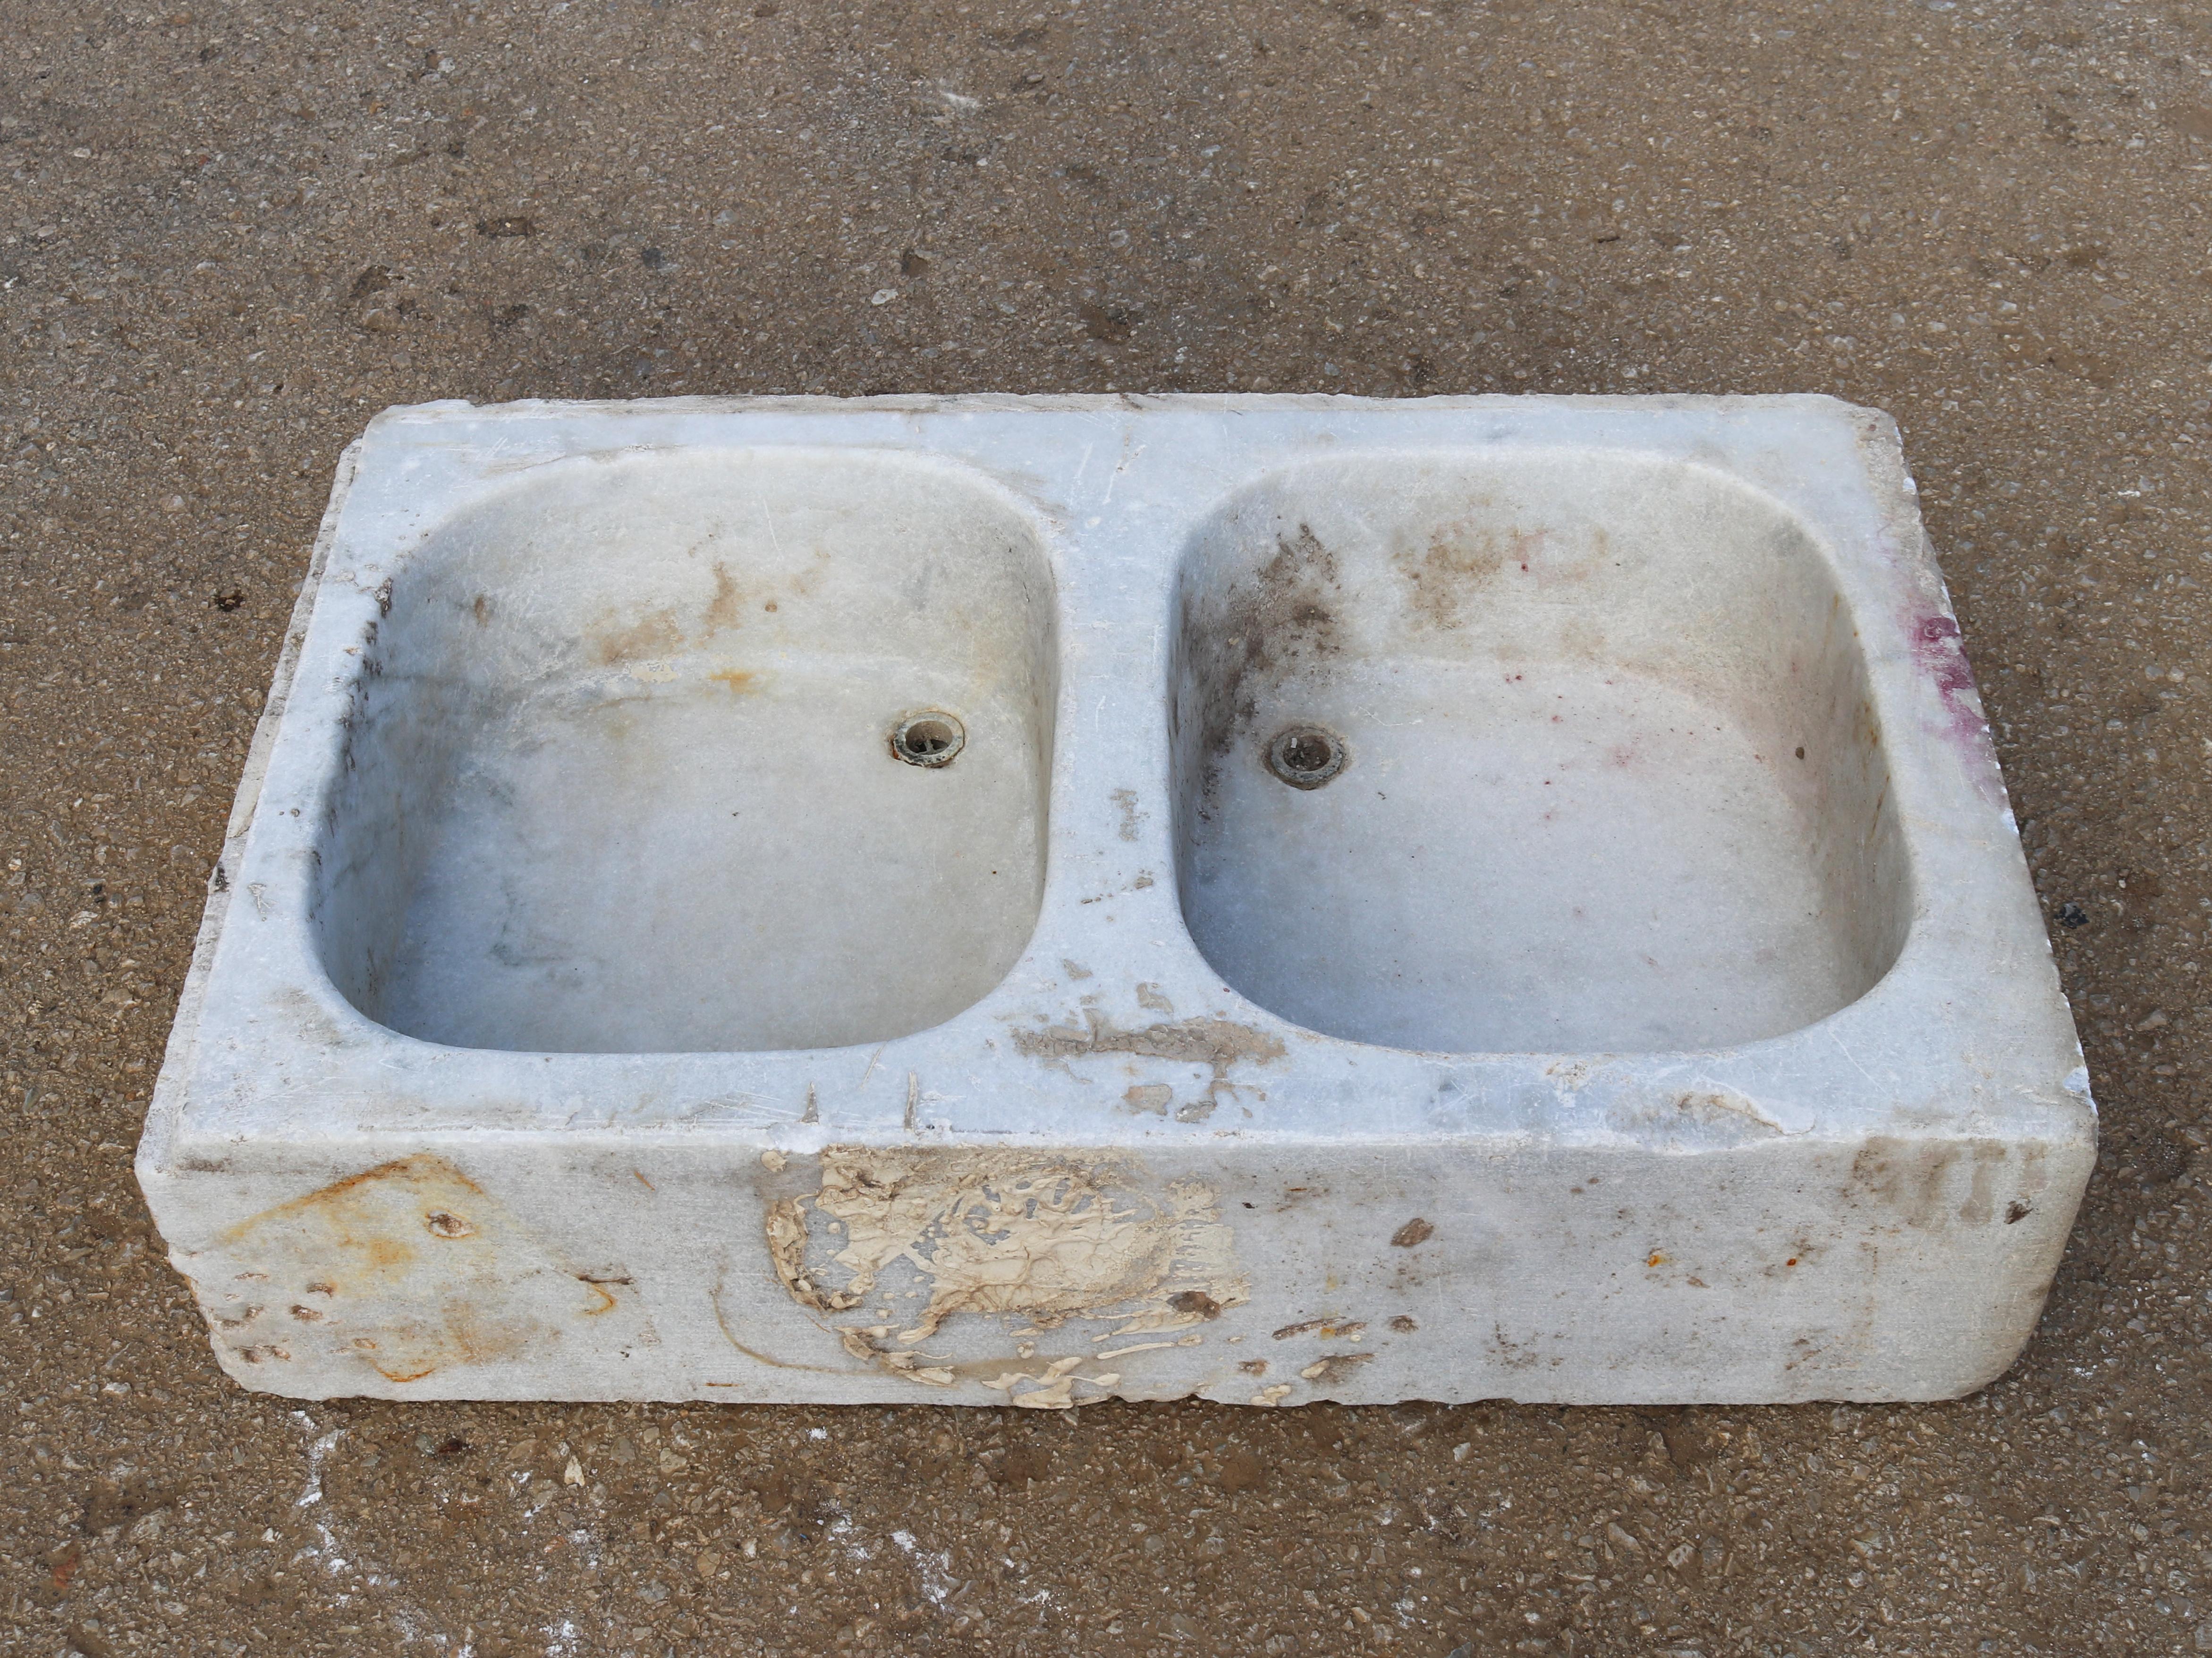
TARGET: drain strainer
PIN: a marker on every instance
(930, 738)
(1306, 756)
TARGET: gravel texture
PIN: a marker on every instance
(230, 234)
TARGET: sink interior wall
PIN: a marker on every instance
(620, 775)
(1614, 782)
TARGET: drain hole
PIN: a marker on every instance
(928, 739)
(1306, 756)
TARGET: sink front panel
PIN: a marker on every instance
(1608, 777)
(622, 774)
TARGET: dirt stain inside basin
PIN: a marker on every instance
(1217, 1044)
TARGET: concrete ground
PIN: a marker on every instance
(230, 234)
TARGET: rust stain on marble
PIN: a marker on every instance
(400, 1272)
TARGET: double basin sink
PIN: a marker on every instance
(1001, 900)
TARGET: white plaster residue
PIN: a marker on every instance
(311, 1494)
(934, 1571)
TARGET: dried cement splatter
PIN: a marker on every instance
(1042, 1236)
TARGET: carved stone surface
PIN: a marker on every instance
(996, 899)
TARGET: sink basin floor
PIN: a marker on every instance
(693, 856)
(1577, 860)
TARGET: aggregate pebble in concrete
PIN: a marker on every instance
(231, 235)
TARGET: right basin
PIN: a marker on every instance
(1565, 751)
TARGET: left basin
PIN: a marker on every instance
(625, 770)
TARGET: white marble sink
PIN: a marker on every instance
(997, 899)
